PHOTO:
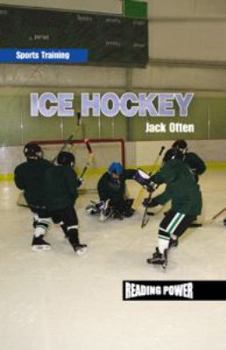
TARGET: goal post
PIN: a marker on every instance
(105, 151)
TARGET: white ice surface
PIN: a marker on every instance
(55, 300)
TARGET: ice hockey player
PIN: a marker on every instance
(112, 193)
(62, 183)
(185, 196)
(195, 163)
(29, 177)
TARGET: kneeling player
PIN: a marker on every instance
(112, 193)
(61, 193)
(184, 193)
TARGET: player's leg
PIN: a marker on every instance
(70, 220)
(106, 210)
(127, 209)
(172, 225)
(41, 224)
(94, 208)
(160, 254)
(57, 219)
(179, 230)
(121, 208)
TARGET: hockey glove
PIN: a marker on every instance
(150, 202)
(151, 186)
(80, 181)
(141, 177)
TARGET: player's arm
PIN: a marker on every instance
(19, 178)
(165, 175)
(129, 174)
(71, 183)
(162, 198)
(196, 163)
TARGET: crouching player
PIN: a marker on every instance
(112, 193)
(185, 196)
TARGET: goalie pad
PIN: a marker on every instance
(102, 208)
(95, 207)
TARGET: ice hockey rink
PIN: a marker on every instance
(154, 51)
(54, 299)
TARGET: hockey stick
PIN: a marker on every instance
(70, 138)
(138, 200)
(64, 146)
(147, 214)
(79, 119)
(211, 220)
(21, 201)
(89, 160)
(146, 217)
(218, 214)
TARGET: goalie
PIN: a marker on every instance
(112, 194)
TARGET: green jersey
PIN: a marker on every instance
(195, 163)
(181, 188)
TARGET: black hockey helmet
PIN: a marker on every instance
(172, 153)
(32, 151)
(180, 145)
(66, 158)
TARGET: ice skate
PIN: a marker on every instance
(173, 243)
(106, 211)
(80, 249)
(38, 244)
(158, 258)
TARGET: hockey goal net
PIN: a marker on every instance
(105, 151)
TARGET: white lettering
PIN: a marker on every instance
(27, 55)
(55, 55)
(90, 103)
(184, 290)
(110, 104)
(133, 290)
(155, 128)
(65, 104)
(166, 105)
(48, 104)
(184, 102)
(126, 104)
(180, 127)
